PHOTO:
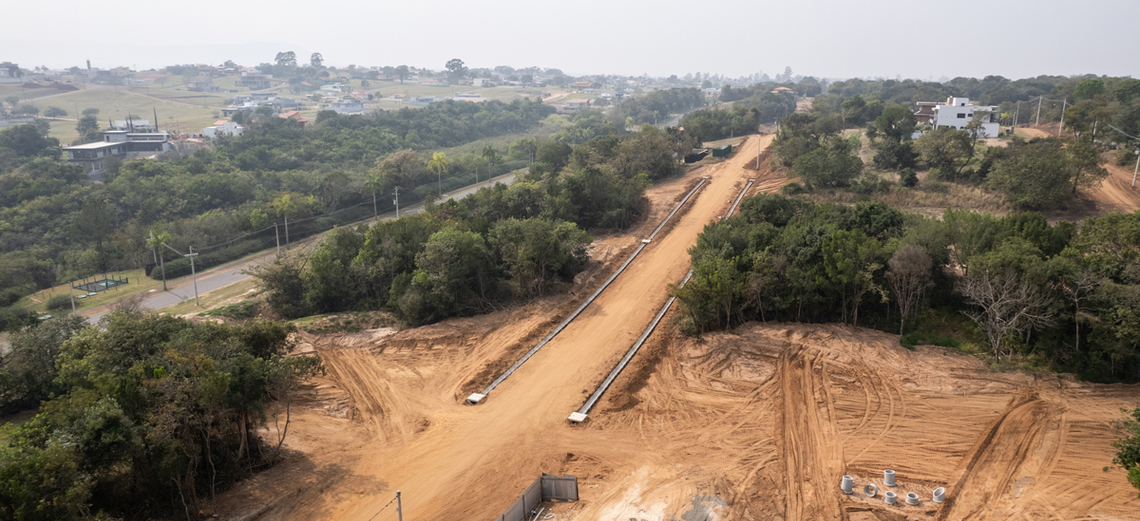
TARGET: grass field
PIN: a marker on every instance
(139, 282)
(186, 116)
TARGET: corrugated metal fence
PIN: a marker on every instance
(545, 488)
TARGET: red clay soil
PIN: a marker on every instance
(759, 423)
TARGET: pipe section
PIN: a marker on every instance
(846, 484)
(870, 490)
(912, 499)
(890, 497)
(889, 478)
(939, 494)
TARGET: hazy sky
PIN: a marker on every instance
(827, 38)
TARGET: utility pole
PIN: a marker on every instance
(193, 275)
(1017, 114)
(72, 295)
(162, 266)
(278, 235)
(397, 201)
(1039, 100)
(399, 507)
(1064, 103)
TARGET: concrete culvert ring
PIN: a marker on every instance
(911, 498)
(939, 494)
(870, 490)
(891, 497)
(846, 484)
(889, 478)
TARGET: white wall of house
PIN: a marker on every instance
(959, 112)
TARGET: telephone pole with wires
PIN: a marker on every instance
(1137, 152)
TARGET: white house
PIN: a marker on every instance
(345, 106)
(223, 128)
(959, 112)
(334, 89)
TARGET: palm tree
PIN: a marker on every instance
(285, 207)
(156, 243)
(492, 157)
(374, 183)
(439, 164)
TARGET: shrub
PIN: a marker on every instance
(1125, 157)
(908, 178)
(792, 189)
(59, 302)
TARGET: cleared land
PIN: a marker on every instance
(758, 423)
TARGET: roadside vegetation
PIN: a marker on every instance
(146, 417)
(473, 255)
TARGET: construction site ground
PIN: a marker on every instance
(757, 423)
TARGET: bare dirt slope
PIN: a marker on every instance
(755, 424)
(1116, 193)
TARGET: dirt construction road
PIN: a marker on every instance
(758, 423)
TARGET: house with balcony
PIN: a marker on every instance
(120, 143)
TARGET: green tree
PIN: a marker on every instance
(286, 59)
(537, 250)
(12, 101)
(157, 244)
(285, 207)
(88, 128)
(55, 112)
(456, 69)
(850, 261)
(316, 60)
(402, 72)
(896, 123)
(375, 184)
(1034, 175)
(439, 164)
(835, 164)
(941, 148)
(91, 112)
(1128, 446)
(1089, 88)
(1085, 162)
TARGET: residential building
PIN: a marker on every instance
(134, 125)
(422, 101)
(295, 116)
(574, 106)
(334, 88)
(9, 70)
(959, 112)
(123, 144)
(253, 103)
(482, 82)
(254, 80)
(223, 128)
(345, 106)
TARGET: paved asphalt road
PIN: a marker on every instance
(221, 277)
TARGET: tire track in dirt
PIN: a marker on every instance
(809, 452)
(1012, 445)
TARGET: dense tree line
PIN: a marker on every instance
(145, 417)
(1067, 293)
(59, 226)
(470, 256)
(656, 106)
(710, 125)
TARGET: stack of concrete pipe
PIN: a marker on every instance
(847, 485)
